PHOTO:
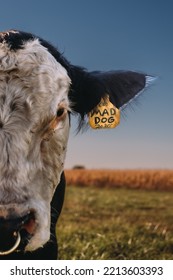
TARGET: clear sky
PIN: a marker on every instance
(106, 35)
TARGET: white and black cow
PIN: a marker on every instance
(39, 89)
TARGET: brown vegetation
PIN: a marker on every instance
(134, 179)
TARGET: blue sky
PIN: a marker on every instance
(106, 35)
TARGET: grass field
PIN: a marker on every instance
(116, 223)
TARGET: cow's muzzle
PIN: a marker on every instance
(15, 232)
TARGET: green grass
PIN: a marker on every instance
(116, 224)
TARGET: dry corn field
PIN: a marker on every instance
(131, 179)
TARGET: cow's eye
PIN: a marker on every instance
(60, 112)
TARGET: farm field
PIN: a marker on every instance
(116, 223)
(131, 179)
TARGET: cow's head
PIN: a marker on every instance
(38, 90)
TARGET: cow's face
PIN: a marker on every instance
(34, 128)
(38, 88)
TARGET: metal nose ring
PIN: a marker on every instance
(7, 252)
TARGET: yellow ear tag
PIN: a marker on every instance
(104, 115)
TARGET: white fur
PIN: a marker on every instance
(39, 83)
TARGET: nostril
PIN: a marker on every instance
(9, 241)
(14, 223)
(28, 222)
(16, 232)
(7, 246)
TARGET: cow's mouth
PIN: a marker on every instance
(16, 233)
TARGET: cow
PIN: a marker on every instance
(39, 90)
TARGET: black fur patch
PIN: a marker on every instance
(15, 39)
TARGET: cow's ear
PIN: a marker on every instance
(89, 87)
